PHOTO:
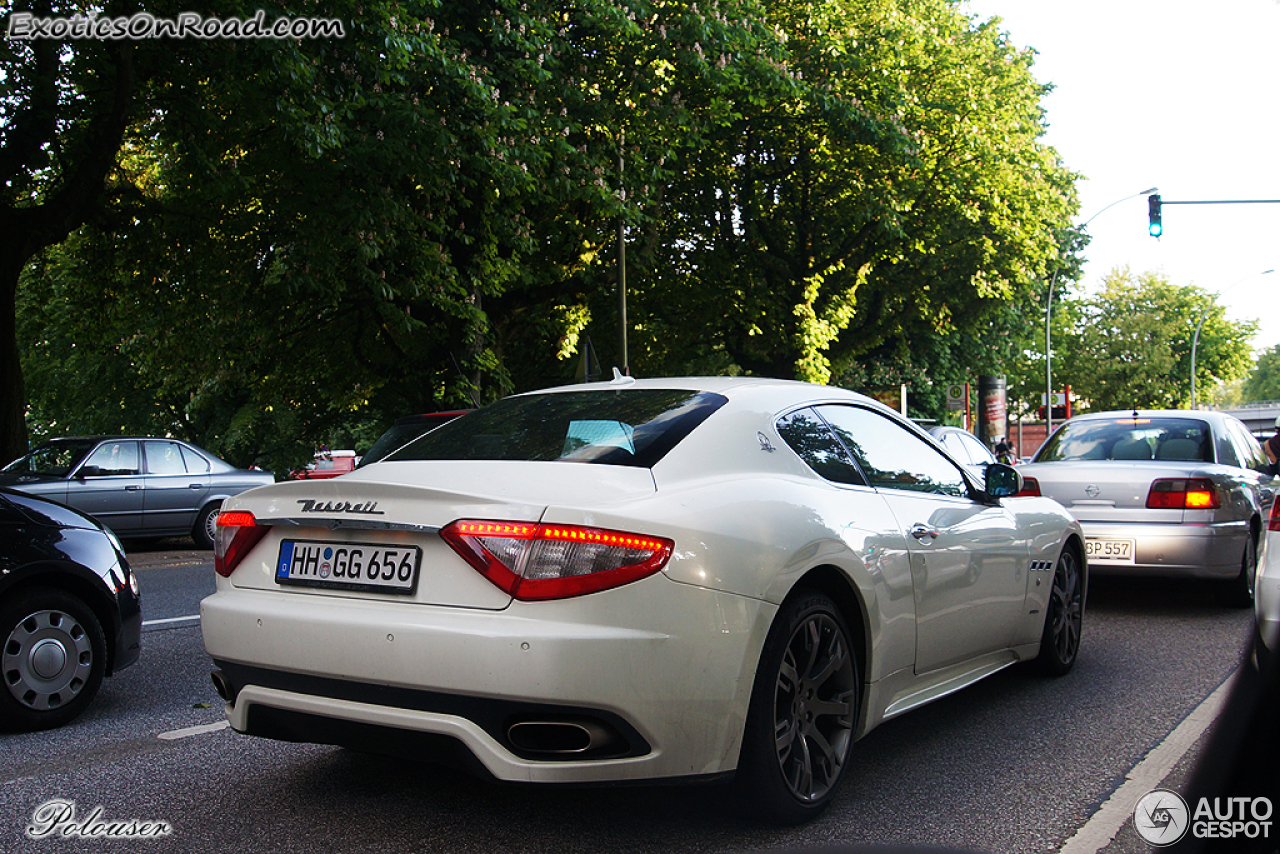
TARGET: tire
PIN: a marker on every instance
(804, 706)
(206, 526)
(1238, 592)
(1064, 616)
(52, 661)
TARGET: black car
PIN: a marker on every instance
(69, 612)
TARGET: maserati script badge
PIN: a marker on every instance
(368, 508)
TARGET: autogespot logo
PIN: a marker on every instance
(1161, 817)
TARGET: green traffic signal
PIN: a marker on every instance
(1155, 227)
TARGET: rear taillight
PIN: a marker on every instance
(1179, 493)
(238, 532)
(531, 560)
(1274, 523)
(1030, 488)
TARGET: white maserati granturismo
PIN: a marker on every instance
(703, 578)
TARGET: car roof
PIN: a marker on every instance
(109, 438)
(1121, 414)
(719, 385)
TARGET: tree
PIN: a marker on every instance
(64, 110)
(899, 193)
(1263, 382)
(1131, 344)
(351, 229)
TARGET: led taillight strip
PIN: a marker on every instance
(468, 538)
(559, 533)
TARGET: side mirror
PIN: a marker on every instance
(1002, 480)
(88, 471)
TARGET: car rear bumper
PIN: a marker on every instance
(591, 689)
(1211, 551)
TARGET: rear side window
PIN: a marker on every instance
(1250, 451)
(635, 427)
(164, 458)
(813, 442)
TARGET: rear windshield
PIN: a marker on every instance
(1170, 439)
(612, 427)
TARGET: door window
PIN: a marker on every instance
(890, 456)
(114, 458)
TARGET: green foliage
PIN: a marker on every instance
(1263, 382)
(1132, 341)
(301, 240)
(895, 194)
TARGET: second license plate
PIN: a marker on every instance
(1105, 550)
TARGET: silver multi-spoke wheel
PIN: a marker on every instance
(51, 661)
(814, 701)
(205, 531)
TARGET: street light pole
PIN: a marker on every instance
(1195, 340)
(1048, 314)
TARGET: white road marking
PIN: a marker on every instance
(174, 735)
(169, 620)
(1102, 827)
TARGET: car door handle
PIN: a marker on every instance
(923, 532)
(195, 486)
(133, 489)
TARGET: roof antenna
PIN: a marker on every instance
(620, 378)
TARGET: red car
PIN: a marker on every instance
(327, 464)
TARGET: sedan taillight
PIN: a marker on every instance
(238, 532)
(1179, 493)
(1274, 523)
(531, 560)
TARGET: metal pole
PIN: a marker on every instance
(622, 265)
(1048, 314)
(1195, 340)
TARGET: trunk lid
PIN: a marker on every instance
(401, 506)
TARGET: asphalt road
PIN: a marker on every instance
(1018, 763)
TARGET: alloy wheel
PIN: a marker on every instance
(814, 705)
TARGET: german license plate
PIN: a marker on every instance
(349, 566)
(1107, 550)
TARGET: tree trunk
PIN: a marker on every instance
(13, 397)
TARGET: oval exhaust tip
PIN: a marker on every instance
(560, 737)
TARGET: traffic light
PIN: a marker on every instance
(1155, 228)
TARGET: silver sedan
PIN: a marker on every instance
(138, 486)
(1163, 493)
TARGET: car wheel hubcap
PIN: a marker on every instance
(814, 708)
(47, 660)
(1066, 608)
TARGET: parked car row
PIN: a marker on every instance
(560, 552)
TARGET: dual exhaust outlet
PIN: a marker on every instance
(553, 737)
